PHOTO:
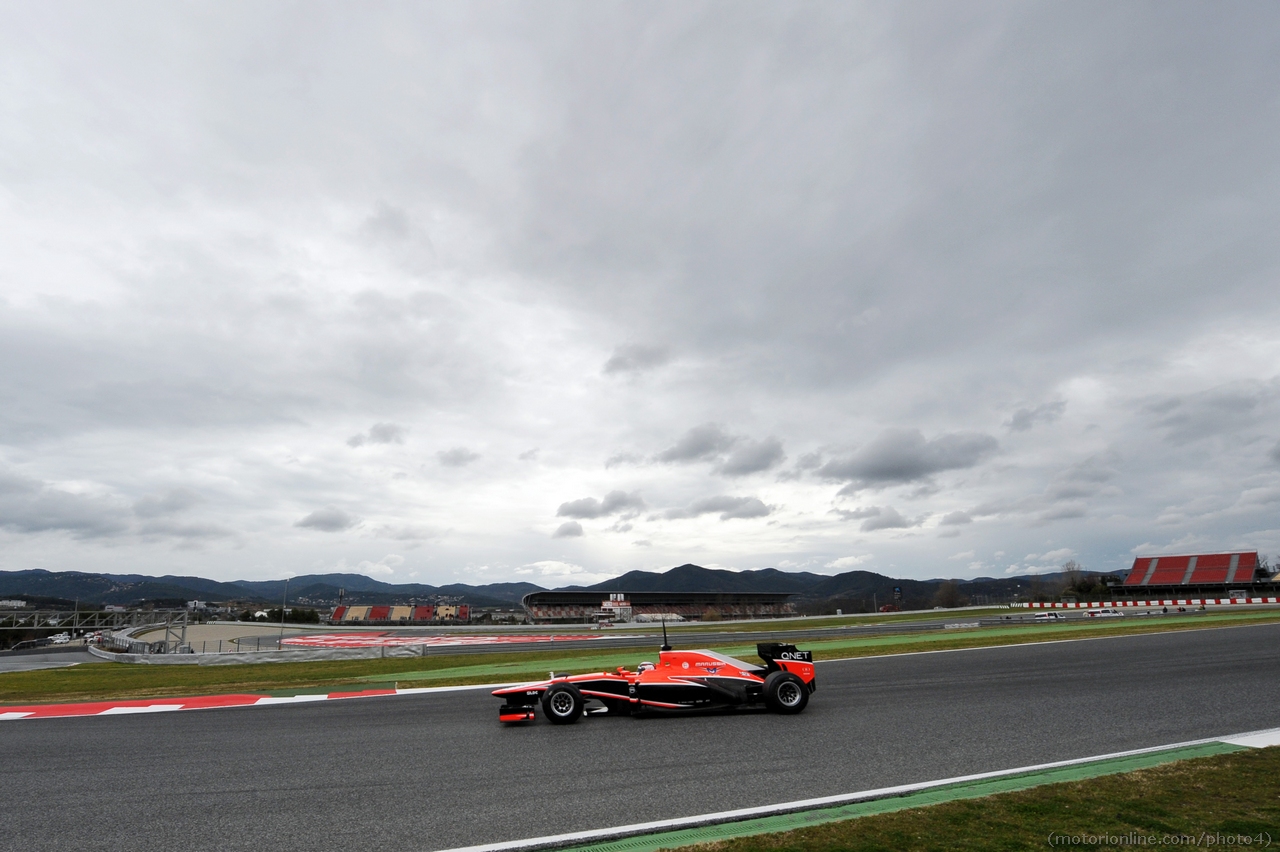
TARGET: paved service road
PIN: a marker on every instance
(437, 771)
(50, 660)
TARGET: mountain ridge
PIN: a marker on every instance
(858, 589)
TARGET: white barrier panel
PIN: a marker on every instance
(1166, 602)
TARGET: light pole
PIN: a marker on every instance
(283, 601)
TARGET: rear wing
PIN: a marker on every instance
(771, 652)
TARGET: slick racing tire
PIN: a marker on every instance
(785, 693)
(563, 704)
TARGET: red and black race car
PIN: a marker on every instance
(680, 681)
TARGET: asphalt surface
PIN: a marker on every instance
(437, 771)
(35, 660)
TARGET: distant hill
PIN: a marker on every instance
(852, 591)
(111, 588)
(313, 590)
(695, 578)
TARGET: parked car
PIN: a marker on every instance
(1050, 616)
(891, 608)
(1105, 612)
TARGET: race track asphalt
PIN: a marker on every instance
(437, 771)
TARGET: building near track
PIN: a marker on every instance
(1202, 575)
(585, 607)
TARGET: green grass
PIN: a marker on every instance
(853, 620)
(1233, 796)
(122, 680)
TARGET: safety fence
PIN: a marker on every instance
(1163, 602)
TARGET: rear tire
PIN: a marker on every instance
(785, 693)
(563, 704)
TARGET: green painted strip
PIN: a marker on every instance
(923, 798)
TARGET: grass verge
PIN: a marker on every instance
(1211, 801)
(123, 681)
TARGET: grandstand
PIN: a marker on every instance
(423, 614)
(1201, 574)
(584, 607)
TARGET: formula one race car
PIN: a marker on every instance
(681, 681)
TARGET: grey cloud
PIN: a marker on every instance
(379, 433)
(622, 458)
(955, 519)
(1221, 410)
(728, 507)
(569, 529)
(857, 514)
(889, 519)
(699, 443)
(903, 455)
(1065, 511)
(529, 455)
(387, 223)
(809, 461)
(31, 506)
(628, 505)
(1025, 418)
(187, 531)
(875, 518)
(1065, 497)
(636, 358)
(457, 457)
(171, 502)
(1275, 453)
(1082, 479)
(753, 457)
(328, 519)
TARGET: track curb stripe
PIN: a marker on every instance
(209, 702)
(646, 837)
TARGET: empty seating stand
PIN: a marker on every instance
(1205, 569)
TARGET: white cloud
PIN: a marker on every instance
(383, 569)
(845, 563)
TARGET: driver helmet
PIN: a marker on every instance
(646, 667)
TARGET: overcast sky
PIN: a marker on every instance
(552, 291)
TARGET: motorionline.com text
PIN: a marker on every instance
(1214, 840)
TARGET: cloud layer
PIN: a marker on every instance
(810, 286)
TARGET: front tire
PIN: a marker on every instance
(785, 693)
(563, 704)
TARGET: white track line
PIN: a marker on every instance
(1254, 739)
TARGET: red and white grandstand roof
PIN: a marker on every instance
(1203, 569)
